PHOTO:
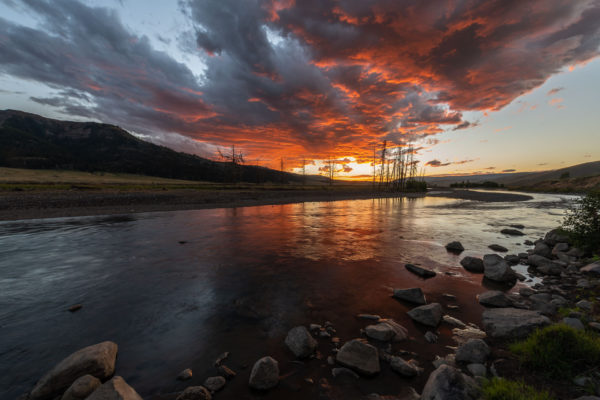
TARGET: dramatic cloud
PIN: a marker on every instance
(301, 78)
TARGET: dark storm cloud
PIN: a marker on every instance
(311, 77)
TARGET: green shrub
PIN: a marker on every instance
(582, 221)
(503, 389)
(559, 351)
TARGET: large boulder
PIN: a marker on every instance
(422, 272)
(264, 374)
(474, 351)
(495, 268)
(472, 264)
(300, 342)
(429, 315)
(542, 249)
(448, 383)
(117, 389)
(97, 360)
(556, 236)
(82, 388)
(545, 265)
(195, 393)
(508, 323)
(494, 298)
(412, 295)
(359, 356)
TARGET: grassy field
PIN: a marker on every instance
(15, 179)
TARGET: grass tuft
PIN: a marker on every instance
(503, 389)
(559, 351)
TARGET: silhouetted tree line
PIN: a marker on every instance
(397, 170)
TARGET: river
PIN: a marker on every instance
(176, 289)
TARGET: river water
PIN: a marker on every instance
(176, 289)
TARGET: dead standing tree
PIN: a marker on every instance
(234, 160)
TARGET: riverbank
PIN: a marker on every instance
(82, 201)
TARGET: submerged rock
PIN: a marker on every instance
(412, 295)
(359, 356)
(337, 372)
(429, 315)
(448, 383)
(82, 388)
(497, 269)
(300, 342)
(508, 323)
(422, 272)
(512, 232)
(118, 389)
(264, 374)
(97, 360)
(472, 264)
(215, 383)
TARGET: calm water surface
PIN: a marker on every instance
(242, 278)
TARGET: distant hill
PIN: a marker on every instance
(577, 177)
(31, 141)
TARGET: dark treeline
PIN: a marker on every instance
(486, 184)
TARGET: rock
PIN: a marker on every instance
(195, 393)
(215, 383)
(97, 360)
(477, 369)
(360, 356)
(526, 291)
(593, 268)
(474, 351)
(556, 236)
(449, 296)
(508, 323)
(264, 374)
(226, 372)
(367, 316)
(528, 243)
(575, 252)
(497, 247)
(222, 357)
(403, 367)
(512, 259)
(400, 332)
(453, 321)
(382, 332)
(118, 389)
(300, 342)
(517, 226)
(584, 305)
(541, 302)
(472, 264)
(344, 372)
(560, 248)
(496, 269)
(574, 323)
(431, 337)
(412, 295)
(185, 375)
(512, 232)
(82, 388)
(494, 298)
(448, 383)
(429, 315)
(542, 249)
(422, 272)
(75, 307)
(455, 247)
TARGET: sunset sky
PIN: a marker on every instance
(477, 86)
